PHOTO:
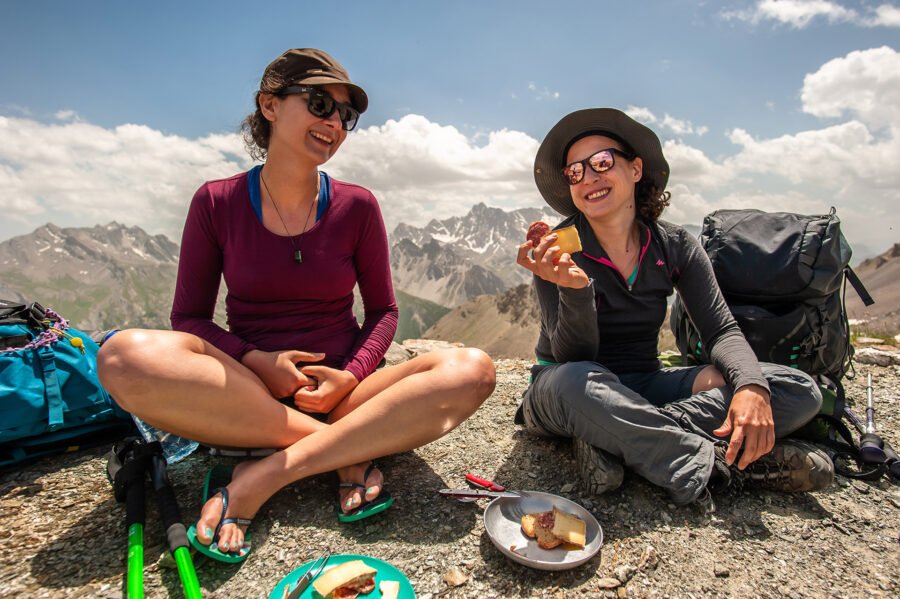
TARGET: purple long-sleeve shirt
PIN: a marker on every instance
(273, 303)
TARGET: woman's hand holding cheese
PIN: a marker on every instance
(550, 262)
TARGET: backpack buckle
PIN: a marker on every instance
(36, 314)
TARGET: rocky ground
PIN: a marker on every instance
(63, 536)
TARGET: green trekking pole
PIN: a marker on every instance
(126, 468)
(171, 519)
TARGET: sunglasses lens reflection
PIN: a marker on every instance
(348, 115)
(320, 105)
(323, 106)
(601, 161)
(574, 173)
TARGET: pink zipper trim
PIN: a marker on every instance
(608, 262)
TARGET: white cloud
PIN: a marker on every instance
(74, 173)
(885, 15)
(542, 93)
(666, 123)
(421, 170)
(66, 115)
(800, 13)
(851, 165)
(865, 84)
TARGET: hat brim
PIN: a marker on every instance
(358, 98)
(549, 161)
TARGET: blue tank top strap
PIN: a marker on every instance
(324, 194)
(253, 185)
(253, 188)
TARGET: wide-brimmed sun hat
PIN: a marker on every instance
(309, 66)
(550, 159)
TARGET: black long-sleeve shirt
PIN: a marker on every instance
(617, 324)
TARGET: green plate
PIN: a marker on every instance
(385, 571)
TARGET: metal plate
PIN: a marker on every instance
(503, 523)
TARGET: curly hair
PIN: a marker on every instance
(650, 202)
(256, 128)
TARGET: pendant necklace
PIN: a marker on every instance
(298, 255)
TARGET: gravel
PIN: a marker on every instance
(63, 534)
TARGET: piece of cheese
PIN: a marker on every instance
(569, 528)
(390, 589)
(568, 240)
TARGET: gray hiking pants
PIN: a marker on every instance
(665, 435)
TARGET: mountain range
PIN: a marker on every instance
(114, 276)
(454, 279)
(107, 276)
(455, 260)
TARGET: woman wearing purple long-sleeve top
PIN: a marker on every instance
(294, 370)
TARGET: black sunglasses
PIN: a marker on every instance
(599, 162)
(323, 106)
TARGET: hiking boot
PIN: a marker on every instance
(705, 502)
(792, 466)
(600, 471)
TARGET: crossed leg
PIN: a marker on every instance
(182, 384)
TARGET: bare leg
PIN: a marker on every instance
(393, 410)
(708, 378)
(182, 384)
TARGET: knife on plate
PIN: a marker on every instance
(475, 493)
(304, 581)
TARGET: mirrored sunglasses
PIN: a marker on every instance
(599, 162)
(323, 106)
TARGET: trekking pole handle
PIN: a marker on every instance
(871, 449)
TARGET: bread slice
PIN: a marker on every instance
(529, 525)
(569, 528)
(349, 574)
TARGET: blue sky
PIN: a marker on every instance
(111, 111)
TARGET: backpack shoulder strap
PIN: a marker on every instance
(857, 283)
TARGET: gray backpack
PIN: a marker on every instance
(783, 276)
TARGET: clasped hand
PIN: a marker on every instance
(550, 264)
(750, 424)
(315, 388)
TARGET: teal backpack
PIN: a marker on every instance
(51, 400)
